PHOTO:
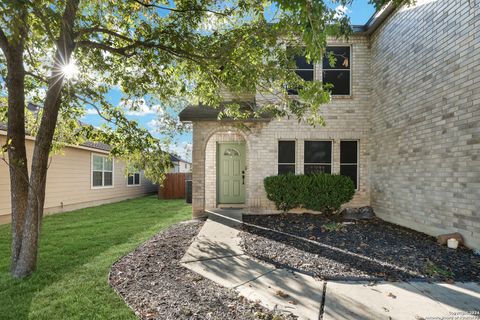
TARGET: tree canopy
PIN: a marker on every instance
(164, 50)
(67, 55)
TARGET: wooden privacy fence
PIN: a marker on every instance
(173, 186)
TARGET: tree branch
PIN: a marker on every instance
(3, 42)
(46, 26)
(93, 105)
(127, 50)
(151, 5)
(96, 45)
(102, 30)
(36, 76)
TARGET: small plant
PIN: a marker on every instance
(433, 270)
(332, 226)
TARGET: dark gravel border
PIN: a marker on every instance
(155, 286)
(364, 250)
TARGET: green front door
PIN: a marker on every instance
(231, 172)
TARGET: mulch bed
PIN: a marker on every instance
(154, 284)
(364, 250)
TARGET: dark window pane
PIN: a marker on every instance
(317, 168)
(306, 75)
(292, 91)
(302, 63)
(137, 178)
(286, 151)
(130, 179)
(349, 171)
(342, 55)
(97, 179)
(340, 81)
(318, 152)
(286, 168)
(348, 151)
(107, 179)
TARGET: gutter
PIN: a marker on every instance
(377, 19)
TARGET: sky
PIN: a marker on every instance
(359, 12)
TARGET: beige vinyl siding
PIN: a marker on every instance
(69, 182)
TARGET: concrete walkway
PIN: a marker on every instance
(216, 254)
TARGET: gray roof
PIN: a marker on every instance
(96, 145)
(175, 158)
(100, 145)
(89, 144)
(205, 113)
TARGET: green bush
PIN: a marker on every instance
(319, 192)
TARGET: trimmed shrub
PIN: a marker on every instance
(319, 192)
(285, 190)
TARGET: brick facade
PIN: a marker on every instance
(425, 148)
(347, 119)
(415, 110)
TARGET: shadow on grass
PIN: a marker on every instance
(76, 252)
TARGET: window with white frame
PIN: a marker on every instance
(349, 160)
(133, 179)
(338, 73)
(286, 157)
(317, 157)
(102, 171)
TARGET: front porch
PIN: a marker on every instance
(211, 189)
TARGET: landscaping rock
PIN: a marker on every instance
(443, 238)
(363, 213)
(371, 250)
(155, 285)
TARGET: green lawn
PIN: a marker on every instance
(76, 251)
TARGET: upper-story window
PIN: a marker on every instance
(102, 171)
(338, 74)
(304, 70)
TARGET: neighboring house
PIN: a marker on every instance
(403, 123)
(180, 165)
(78, 177)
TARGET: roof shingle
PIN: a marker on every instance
(206, 113)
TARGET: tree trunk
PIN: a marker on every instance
(26, 260)
(17, 155)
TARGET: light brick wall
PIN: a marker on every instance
(425, 150)
(415, 108)
(347, 118)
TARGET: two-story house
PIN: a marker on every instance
(403, 123)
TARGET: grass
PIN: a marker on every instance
(77, 250)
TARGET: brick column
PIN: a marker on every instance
(198, 172)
